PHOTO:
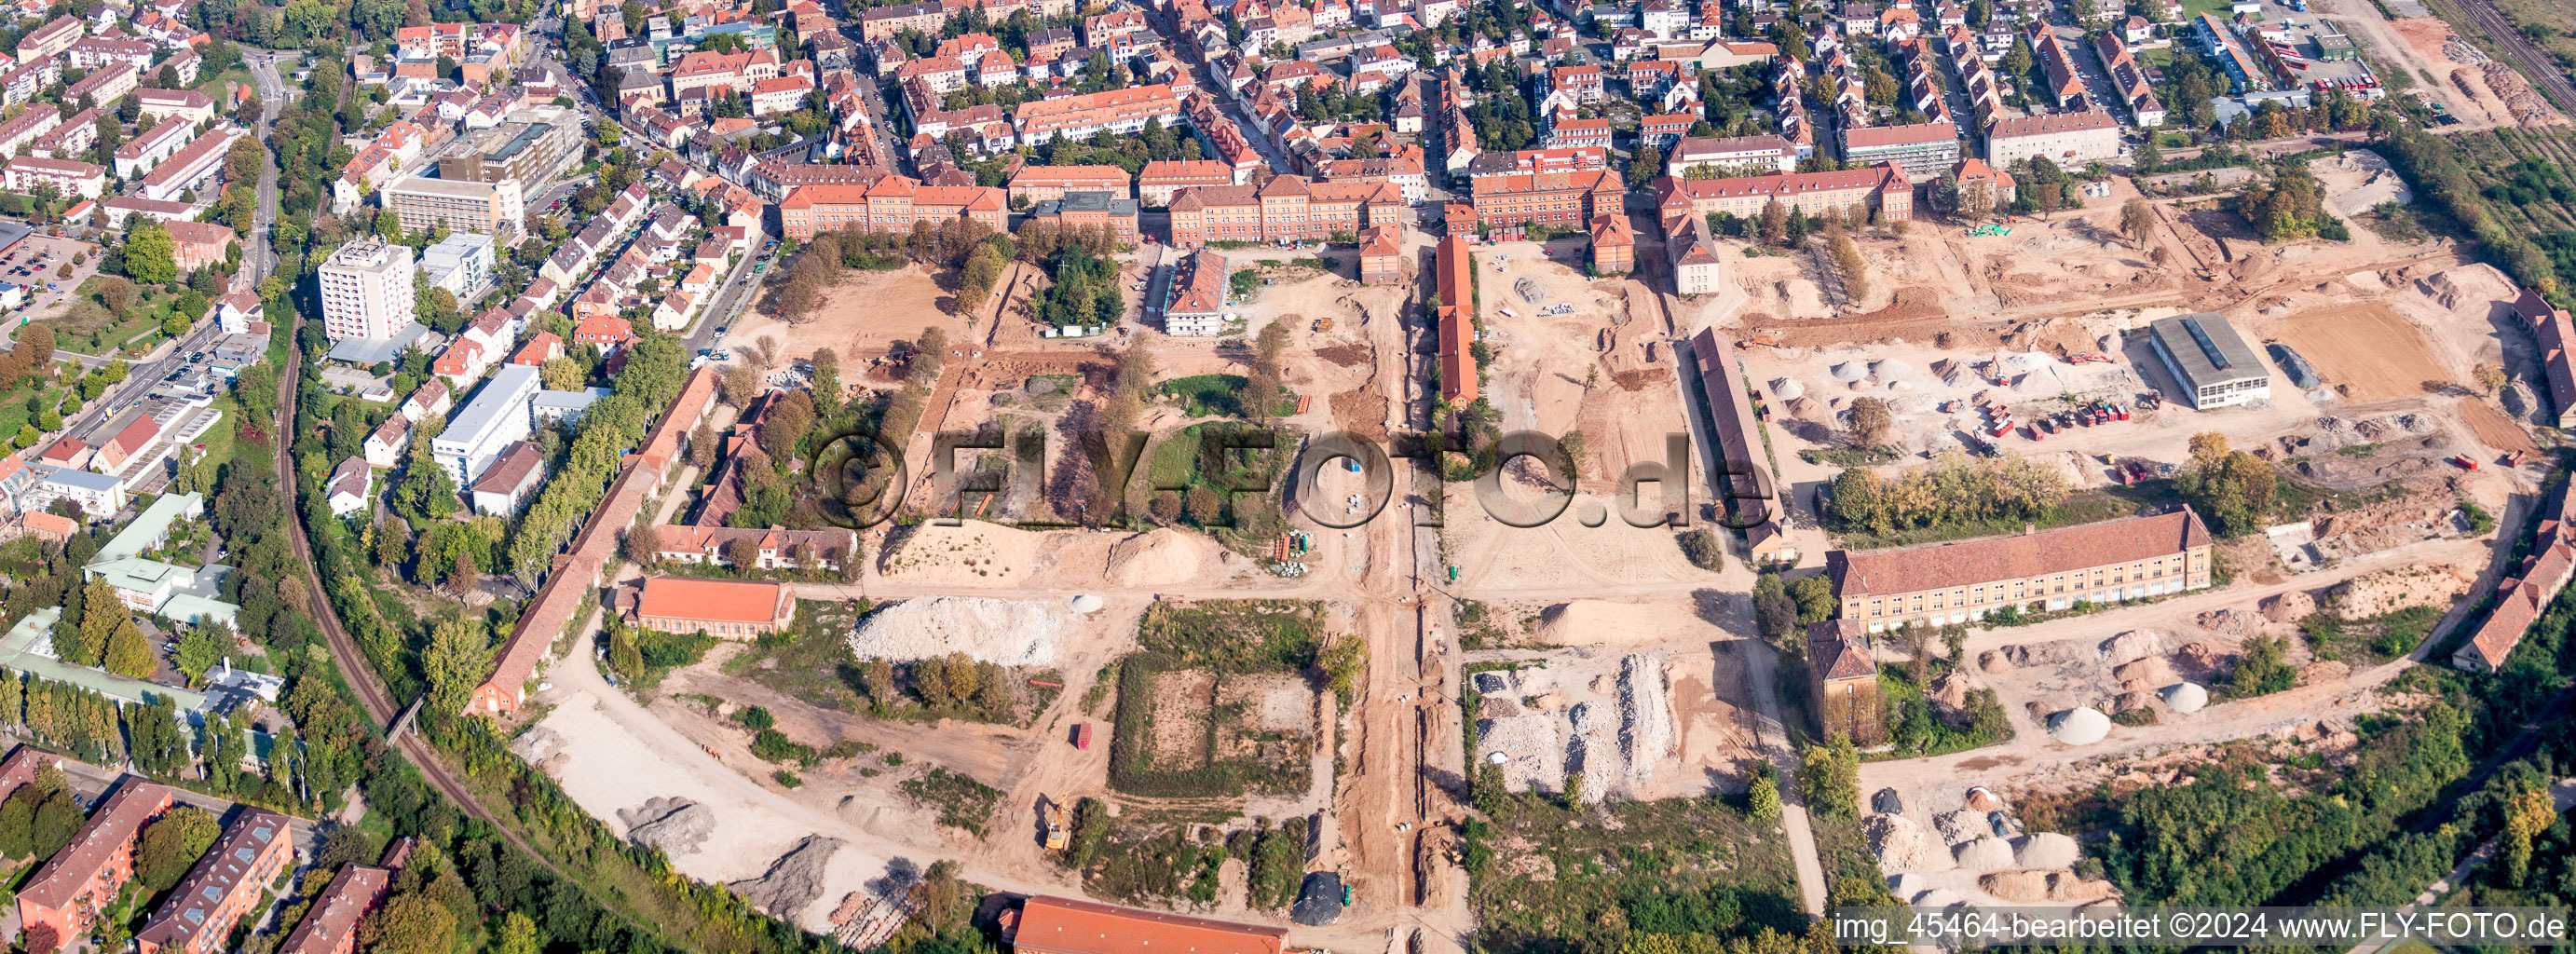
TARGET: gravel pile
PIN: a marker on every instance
(793, 881)
(678, 826)
(1592, 751)
(1007, 632)
(1530, 290)
(1961, 826)
(1646, 713)
(2186, 697)
(2082, 725)
(2134, 644)
(1533, 757)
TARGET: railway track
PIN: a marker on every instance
(354, 668)
(2554, 85)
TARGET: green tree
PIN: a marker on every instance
(170, 844)
(1762, 797)
(199, 650)
(129, 653)
(411, 923)
(456, 661)
(151, 255)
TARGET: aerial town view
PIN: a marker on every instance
(1281, 476)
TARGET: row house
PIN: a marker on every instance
(1404, 171)
(891, 204)
(2129, 81)
(2065, 80)
(1883, 190)
(1119, 112)
(1553, 199)
(1158, 181)
(1035, 184)
(1288, 208)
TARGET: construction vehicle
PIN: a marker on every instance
(1989, 230)
(1763, 340)
(2465, 461)
(2091, 358)
(1059, 832)
(1082, 735)
(1324, 323)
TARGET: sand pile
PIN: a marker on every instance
(2082, 725)
(2047, 849)
(793, 881)
(2019, 887)
(1950, 689)
(1984, 854)
(1163, 557)
(1897, 840)
(974, 553)
(2289, 607)
(1584, 622)
(1645, 713)
(1849, 371)
(2134, 644)
(1592, 752)
(2153, 670)
(1788, 389)
(2231, 622)
(2186, 697)
(2396, 588)
(1007, 632)
(1938, 898)
(1991, 662)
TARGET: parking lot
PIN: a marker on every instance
(37, 263)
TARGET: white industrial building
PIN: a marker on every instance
(498, 415)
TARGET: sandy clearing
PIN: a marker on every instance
(861, 317)
(606, 769)
(2365, 351)
(2492, 427)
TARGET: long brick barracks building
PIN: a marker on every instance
(1289, 208)
(890, 204)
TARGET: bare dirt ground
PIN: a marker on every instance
(861, 317)
(2365, 351)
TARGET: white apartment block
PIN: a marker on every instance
(487, 425)
(461, 263)
(366, 290)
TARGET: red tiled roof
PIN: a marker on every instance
(724, 601)
(1940, 566)
(1051, 925)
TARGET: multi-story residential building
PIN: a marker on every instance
(186, 104)
(1881, 189)
(1091, 210)
(1580, 134)
(891, 204)
(1580, 84)
(462, 264)
(1532, 161)
(233, 876)
(531, 145)
(89, 53)
(772, 180)
(1382, 255)
(1953, 583)
(1404, 171)
(105, 85)
(510, 481)
(496, 416)
(52, 39)
(1733, 155)
(710, 71)
(366, 290)
(25, 128)
(2065, 138)
(1289, 208)
(331, 926)
(28, 78)
(1196, 307)
(1614, 244)
(1923, 150)
(1119, 112)
(192, 169)
(69, 177)
(1553, 199)
(1690, 253)
(73, 889)
(148, 149)
(199, 244)
(1662, 132)
(422, 204)
(2229, 49)
(1035, 184)
(1158, 181)
(72, 139)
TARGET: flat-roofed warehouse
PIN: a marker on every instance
(2209, 360)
